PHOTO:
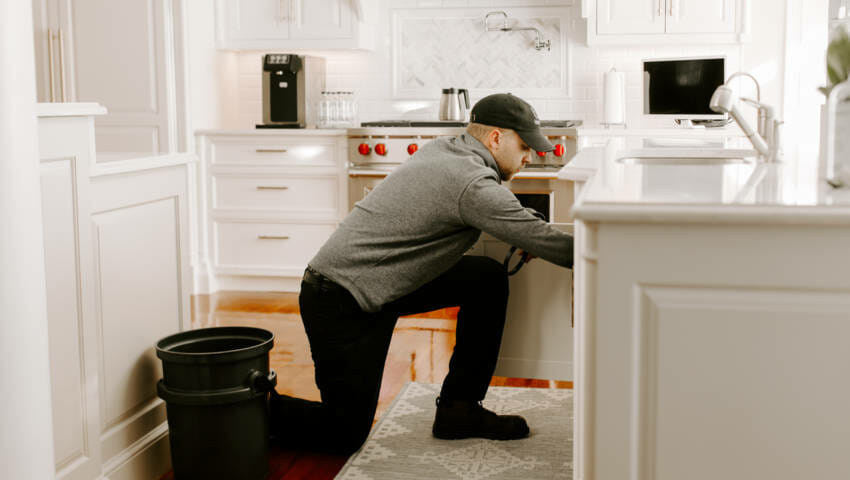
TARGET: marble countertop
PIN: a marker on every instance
(752, 193)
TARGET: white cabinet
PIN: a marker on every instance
(67, 152)
(701, 16)
(295, 24)
(616, 17)
(689, 336)
(665, 21)
(313, 19)
(123, 54)
(538, 337)
(268, 202)
(116, 268)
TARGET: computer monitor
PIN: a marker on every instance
(681, 88)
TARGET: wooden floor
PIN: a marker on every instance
(419, 351)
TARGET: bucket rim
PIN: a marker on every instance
(164, 346)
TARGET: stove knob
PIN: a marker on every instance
(412, 148)
(364, 149)
(541, 154)
(380, 149)
(559, 149)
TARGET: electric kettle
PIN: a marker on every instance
(451, 106)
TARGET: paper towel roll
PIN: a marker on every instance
(614, 98)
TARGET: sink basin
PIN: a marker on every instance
(686, 156)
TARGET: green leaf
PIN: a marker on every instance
(837, 60)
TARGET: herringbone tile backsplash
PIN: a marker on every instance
(437, 53)
(426, 45)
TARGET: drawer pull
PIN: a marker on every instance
(271, 150)
(271, 187)
(273, 237)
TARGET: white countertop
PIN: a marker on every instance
(367, 131)
(731, 130)
(330, 132)
(752, 193)
(57, 109)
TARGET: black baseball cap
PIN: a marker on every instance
(507, 111)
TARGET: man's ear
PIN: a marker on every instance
(494, 138)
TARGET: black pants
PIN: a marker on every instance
(349, 349)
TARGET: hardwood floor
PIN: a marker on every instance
(420, 351)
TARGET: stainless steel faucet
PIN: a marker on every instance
(767, 139)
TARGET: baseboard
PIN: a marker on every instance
(148, 458)
(540, 369)
(257, 284)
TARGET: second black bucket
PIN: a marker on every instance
(216, 384)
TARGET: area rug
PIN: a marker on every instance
(401, 446)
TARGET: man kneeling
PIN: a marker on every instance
(401, 251)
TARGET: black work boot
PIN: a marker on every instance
(458, 419)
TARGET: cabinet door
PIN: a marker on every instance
(257, 19)
(69, 271)
(320, 19)
(701, 16)
(630, 16)
(538, 337)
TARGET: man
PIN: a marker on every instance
(401, 251)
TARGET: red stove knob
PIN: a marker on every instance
(412, 148)
(380, 149)
(541, 154)
(364, 149)
(559, 149)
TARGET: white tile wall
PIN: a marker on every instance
(369, 73)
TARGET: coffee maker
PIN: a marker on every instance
(292, 85)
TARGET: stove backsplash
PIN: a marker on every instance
(435, 51)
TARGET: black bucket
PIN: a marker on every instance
(216, 384)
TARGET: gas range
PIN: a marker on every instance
(379, 146)
(425, 123)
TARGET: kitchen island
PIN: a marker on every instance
(712, 321)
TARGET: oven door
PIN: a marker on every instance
(538, 335)
(360, 184)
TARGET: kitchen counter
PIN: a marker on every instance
(701, 291)
(368, 131)
(733, 193)
(330, 132)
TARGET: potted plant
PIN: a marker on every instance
(837, 71)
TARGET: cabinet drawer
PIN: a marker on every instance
(268, 245)
(307, 194)
(276, 152)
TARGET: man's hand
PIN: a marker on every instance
(528, 258)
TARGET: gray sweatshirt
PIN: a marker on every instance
(424, 216)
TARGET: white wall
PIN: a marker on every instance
(368, 74)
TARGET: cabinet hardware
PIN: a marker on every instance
(272, 237)
(50, 65)
(660, 8)
(271, 150)
(281, 8)
(671, 7)
(271, 187)
(62, 66)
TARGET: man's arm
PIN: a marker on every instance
(491, 208)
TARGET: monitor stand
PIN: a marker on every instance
(687, 123)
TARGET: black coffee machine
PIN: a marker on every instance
(292, 84)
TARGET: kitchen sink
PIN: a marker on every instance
(687, 156)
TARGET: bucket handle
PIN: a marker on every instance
(261, 382)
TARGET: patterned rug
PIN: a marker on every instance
(401, 446)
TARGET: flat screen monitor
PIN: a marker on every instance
(681, 88)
